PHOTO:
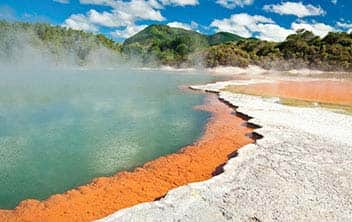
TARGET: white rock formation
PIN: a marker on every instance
(300, 171)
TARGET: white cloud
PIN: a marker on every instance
(241, 24)
(344, 25)
(295, 8)
(62, 1)
(131, 11)
(319, 29)
(121, 14)
(128, 31)
(230, 4)
(139, 9)
(97, 2)
(273, 32)
(157, 4)
(104, 19)
(179, 25)
(334, 2)
(265, 28)
(192, 26)
(252, 26)
(80, 22)
(179, 2)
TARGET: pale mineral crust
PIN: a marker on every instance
(301, 170)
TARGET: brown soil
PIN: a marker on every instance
(324, 91)
(224, 134)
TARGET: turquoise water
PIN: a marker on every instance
(60, 129)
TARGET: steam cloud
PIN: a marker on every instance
(23, 49)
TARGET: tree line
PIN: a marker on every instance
(162, 45)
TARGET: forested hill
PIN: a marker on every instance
(223, 37)
(178, 47)
(300, 50)
(171, 45)
(163, 34)
(37, 39)
(162, 45)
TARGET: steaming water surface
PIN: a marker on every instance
(60, 129)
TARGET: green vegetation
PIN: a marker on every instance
(226, 55)
(300, 50)
(162, 45)
(57, 41)
(223, 37)
(345, 109)
(332, 52)
(339, 108)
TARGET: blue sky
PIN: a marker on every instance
(270, 20)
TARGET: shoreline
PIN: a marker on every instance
(193, 163)
(298, 171)
(257, 71)
(224, 134)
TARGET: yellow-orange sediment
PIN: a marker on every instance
(224, 134)
(324, 91)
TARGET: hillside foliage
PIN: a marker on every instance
(48, 40)
(171, 46)
(162, 45)
(300, 50)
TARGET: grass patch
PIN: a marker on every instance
(243, 90)
(298, 102)
(344, 109)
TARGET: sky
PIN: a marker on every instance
(269, 20)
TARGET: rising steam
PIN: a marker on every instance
(24, 48)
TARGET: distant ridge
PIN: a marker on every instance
(223, 37)
(154, 33)
(163, 45)
(173, 46)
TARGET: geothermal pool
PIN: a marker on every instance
(61, 129)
